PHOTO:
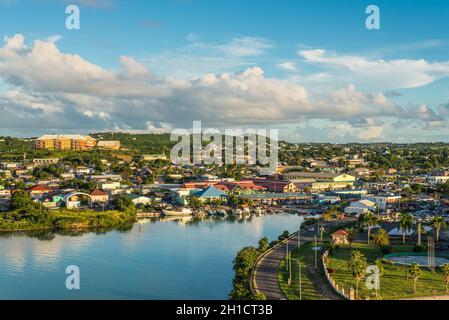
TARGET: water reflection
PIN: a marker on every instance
(154, 259)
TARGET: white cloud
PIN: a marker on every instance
(381, 74)
(246, 47)
(52, 90)
(288, 66)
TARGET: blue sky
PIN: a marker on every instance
(309, 68)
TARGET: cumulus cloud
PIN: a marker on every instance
(51, 90)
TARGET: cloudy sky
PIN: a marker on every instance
(308, 68)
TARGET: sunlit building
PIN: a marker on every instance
(65, 142)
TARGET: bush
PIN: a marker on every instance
(386, 249)
(419, 248)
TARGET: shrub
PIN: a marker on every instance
(386, 249)
(419, 248)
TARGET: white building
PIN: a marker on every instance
(382, 201)
(434, 180)
(360, 207)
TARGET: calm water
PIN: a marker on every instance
(157, 260)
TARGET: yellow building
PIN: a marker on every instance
(65, 142)
(109, 145)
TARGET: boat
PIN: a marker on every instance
(177, 213)
(237, 212)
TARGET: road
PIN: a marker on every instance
(266, 271)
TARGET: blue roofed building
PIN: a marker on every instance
(210, 193)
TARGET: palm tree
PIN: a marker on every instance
(405, 224)
(351, 236)
(381, 238)
(415, 272)
(369, 220)
(438, 223)
(358, 265)
(445, 271)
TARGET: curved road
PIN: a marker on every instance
(266, 271)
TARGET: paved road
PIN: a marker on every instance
(266, 271)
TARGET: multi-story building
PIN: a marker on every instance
(65, 142)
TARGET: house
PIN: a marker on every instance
(340, 237)
(277, 186)
(39, 190)
(110, 186)
(99, 197)
(139, 200)
(209, 194)
(45, 161)
(360, 207)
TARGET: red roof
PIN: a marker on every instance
(340, 233)
(39, 188)
(97, 192)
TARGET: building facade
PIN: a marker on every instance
(65, 142)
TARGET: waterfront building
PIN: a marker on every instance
(209, 194)
(65, 142)
(99, 197)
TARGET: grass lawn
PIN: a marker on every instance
(309, 292)
(394, 284)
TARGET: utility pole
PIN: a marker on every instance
(316, 253)
(290, 269)
(300, 280)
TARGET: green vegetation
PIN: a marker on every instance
(438, 223)
(25, 214)
(309, 288)
(396, 281)
(381, 238)
(243, 266)
(63, 219)
(357, 265)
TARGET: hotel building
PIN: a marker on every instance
(65, 142)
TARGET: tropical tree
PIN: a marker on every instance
(369, 220)
(264, 244)
(405, 224)
(351, 235)
(415, 272)
(358, 265)
(381, 238)
(438, 223)
(20, 199)
(380, 266)
(445, 271)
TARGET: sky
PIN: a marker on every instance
(309, 68)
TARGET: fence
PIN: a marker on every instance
(339, 291)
